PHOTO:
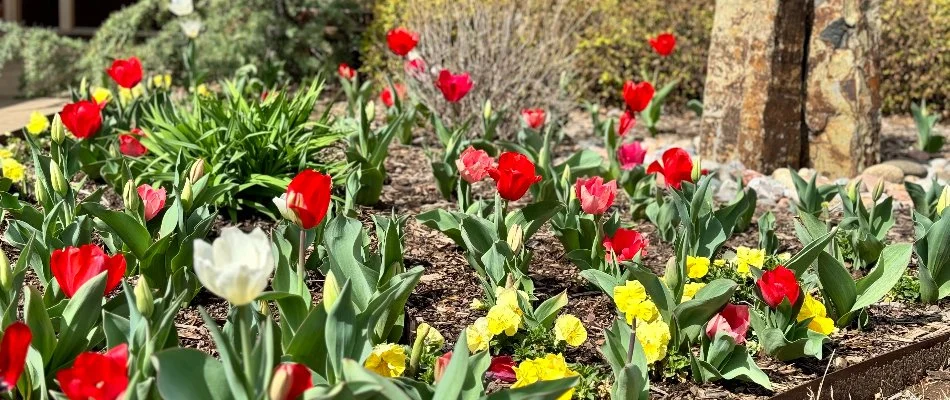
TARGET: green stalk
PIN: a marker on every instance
(301, 259)
(633, 341)
(500, 209)
(417, 346)
(598, 237)
(244, 314)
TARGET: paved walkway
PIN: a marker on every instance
(15, 113)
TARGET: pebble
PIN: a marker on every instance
(889, 173)
(909, 167)
(769, 190)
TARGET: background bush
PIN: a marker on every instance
(612, 47)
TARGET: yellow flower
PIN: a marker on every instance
(719, 263)
(477, 304)
(503, 318)
(944, 200)
(13, 169)
(746, 258)
(814, 309)
(387, 360)
(202, 90)
(5, 153)
(697, 267)
(127, 95)
(569, 329)
(784, 257)
(632, 300)
(690, 289)
(548, 368)
(38, 123)
(654, 337)
(101, 95)
(162, 81)
(478, 335)
(509, 298)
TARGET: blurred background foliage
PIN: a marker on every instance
(293, 39)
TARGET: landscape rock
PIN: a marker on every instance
(909, 167)
(770, 191)
(889, 173)
(727, 191)
(784, 176)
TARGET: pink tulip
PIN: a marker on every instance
(595, 195)
(630, 155)
(473, 164)
(153, 199)
(533, 117)
(732, 320)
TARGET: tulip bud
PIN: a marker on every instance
(441, 364)
(130, 196)
(144, 300)
(60, 186)
(57, 130)
(41, 196)
(197, 170)
(853, 190)
(486, 110)
(83, 86)
(186, 194)
(697, 170)
(370, 110)
(6, 275)
(944, 200)
(566, 183)
(289, 381)
(878, 190)
(515, 238)
(330, 291)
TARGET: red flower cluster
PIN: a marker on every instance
(386, 96)
(82, 118)
(777, 285)
(626, 244)
(308, 195)
(514, 175)
(454, 86)
(126, 73)
(401, 41)
(663, 44)
(130, 145)
(677, 167)
(74, 266)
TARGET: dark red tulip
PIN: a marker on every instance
(401, 41)
(386, 96)
(346, 72)
(290, 381)
(126, 73)
(533, 117)
(13, 349)
(82, 118)
(95, 376)
(130, 145)
(626, 123)
(625, 243)
(454, 87)
(74, 266)
(777, 285)
(502, 368)
(513, 176)
(637, 95)
(308, 195)
(677, 167)
(663, 44)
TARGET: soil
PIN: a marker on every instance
(446, 290)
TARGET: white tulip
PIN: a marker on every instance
(181, 8)
(287, 213)
(236, 266)
(191, 27)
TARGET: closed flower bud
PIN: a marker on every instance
(515, 238)
(697, 170)
(41, 196)
(486, 110)
(144, 300)
(186, 194)
(6, 275)
(853, 190)
(197, 170)
(944, 200)
(878, 190)
(83, 85)
(130, 196)
(330, 291)
(60, 186)
(57, 130)
(370, 110)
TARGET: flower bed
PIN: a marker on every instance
(526, 266)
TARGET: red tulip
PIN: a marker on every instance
(473, 164)
(625, 243)
(416, 68)
(13, 349)
(677, 167)
(290, 381)
(627, 121)
(74, 266)
(595, 195)
(637, 95)
(82, 118)
(345, 71)
(533, 117)
(454, 87)
(733, 320)
(502, 368)
(441, 364)
(153, 199)
(663, 44)
(130, 145)
(401, 41)
(777, 285)
(308, 195)
(126, 73)
(387, 94)
(95, 376)
(630, 155)
(514, 175)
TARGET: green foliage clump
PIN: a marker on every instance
(915, 41)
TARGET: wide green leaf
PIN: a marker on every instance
(189, 374)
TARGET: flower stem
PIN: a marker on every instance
(417, 346)
(244, 314)
(500, 209)
(301, 259)
(598, 235)
(633, 341)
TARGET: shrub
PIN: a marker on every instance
(915, 55)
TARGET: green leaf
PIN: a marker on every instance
(888, 271)
(692, 315)
(837, 284)
(533, 216)
(804, 258)
(189, 374)
(127, 228)
(540, 390)
(36, 317)
(79, 318)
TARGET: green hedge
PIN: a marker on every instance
(915, 47)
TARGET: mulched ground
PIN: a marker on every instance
(449, 285)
